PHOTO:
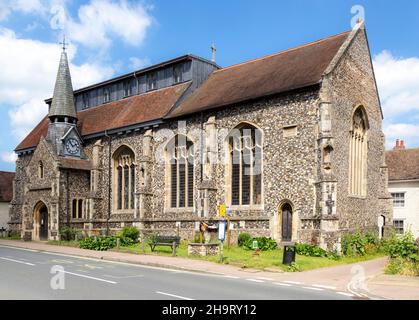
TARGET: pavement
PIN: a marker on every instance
(363, 280)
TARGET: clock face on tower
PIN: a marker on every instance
(72, 146)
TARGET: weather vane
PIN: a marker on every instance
(64, 43)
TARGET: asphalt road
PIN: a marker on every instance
(26, 274)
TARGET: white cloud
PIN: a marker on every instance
(137, 63)
(9, 157)
(37, 7)
(398, 83)
(100, 20)
(28, 71)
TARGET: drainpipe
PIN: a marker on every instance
(109, 180)
(68, 199)
(202, 146)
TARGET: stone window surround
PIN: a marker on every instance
(115, 164)
(358, 155)
(228, 174)
(79, 215)
(41, 170)
(167, 179)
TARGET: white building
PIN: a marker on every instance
(6, 195)
(403, 184)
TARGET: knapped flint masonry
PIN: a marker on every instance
(309, 119)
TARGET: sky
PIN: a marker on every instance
(112, 37)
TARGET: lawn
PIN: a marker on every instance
(245, 259)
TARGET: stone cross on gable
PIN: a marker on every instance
(329, 204)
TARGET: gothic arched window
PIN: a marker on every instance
(180, 154)
(41, 170)
(245, 159)
(124, 173)
(358, 149)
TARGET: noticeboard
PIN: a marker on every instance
(222, 230)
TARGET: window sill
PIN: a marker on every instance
(127, 211)
(357, 197)
(259, 207)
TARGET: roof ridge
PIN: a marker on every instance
(405, 149)
(282, 52)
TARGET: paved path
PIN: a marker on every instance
(28, 274)
(354, 280)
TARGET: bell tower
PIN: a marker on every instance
(62, 128)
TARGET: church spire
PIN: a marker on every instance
(62, 105)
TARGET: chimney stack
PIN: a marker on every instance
(399, 145)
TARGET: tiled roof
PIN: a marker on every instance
(281, 72)
(403, 164)
(6, 186)
(63, 100)
(125, 112)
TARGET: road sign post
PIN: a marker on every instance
(221, 237)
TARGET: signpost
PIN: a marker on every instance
(228, 226)
(221, 237)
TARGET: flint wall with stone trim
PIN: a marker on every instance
(349, 85)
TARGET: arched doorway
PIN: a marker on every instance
(286, 222)
(41, 221)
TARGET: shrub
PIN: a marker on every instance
(130, 232)
(294, 267)
(402, 247)
(67, 233)
(243, 237)
(98, 243)
(264, 243)
(402, 266)
(354, 244)
(310, 250)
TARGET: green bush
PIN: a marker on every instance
(98, 243)
(130, 232)
(354, 244)
(310, 250)
(402, 266)
(67, 233)
(243, 237)
(264, 243)
(402, 247)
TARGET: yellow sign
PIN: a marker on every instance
(223, 210)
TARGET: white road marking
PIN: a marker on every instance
(18, 261)
(283, 284)
(312, 288)
(324, 287)
(267, 279)
(88, 277)
(255, 280)
(173, 295)
(293, 282)
(345, 294)
(231, 277)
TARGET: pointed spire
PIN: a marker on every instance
(63, 99)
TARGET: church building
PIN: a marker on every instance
(291, 142)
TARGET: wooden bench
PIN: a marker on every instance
(171, 241)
